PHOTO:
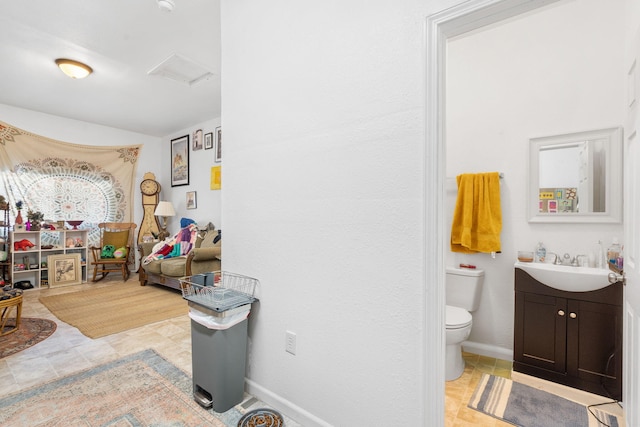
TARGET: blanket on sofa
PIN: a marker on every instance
(179, 245)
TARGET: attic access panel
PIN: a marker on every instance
(181, 69)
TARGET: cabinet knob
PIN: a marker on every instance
(560, 312)
(573, 315)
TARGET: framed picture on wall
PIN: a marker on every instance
(192, 201)
(218, 145)
(180, 161)
(197, 140)
(208, 140)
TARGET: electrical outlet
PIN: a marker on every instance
(290, 342)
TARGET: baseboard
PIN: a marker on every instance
(487, 350)
(283, 405)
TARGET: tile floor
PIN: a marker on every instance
(68, 351)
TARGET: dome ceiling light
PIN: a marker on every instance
(74, 69)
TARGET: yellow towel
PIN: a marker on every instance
(477, 218)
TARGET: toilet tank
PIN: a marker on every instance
(463, 287)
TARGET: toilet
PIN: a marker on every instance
(463, 288)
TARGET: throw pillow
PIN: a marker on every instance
(120, 253)
(107, 251)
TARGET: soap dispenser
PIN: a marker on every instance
(541, 252)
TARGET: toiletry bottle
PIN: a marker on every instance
(614, 251)
(601, 256)
(541, 252)
(620, 260)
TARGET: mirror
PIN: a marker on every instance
(576, 177)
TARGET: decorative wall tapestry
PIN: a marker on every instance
(68, 181)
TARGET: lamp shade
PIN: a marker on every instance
(74, 69)
(164, 209)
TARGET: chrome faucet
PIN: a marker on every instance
(556, 258)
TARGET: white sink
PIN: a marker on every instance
(565, 277)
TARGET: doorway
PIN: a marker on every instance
(440, 27)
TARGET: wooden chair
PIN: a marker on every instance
(118, 235)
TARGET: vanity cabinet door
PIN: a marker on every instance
(594, 346)
(540, 331)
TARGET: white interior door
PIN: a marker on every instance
(631, 339)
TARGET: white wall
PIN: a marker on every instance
(200, 163)
(555, 71)
(323, 202)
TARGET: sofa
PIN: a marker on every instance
(203, 257)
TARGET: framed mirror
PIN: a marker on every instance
(576, 177)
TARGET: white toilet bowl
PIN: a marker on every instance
(459, 323)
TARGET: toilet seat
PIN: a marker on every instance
(457, 318)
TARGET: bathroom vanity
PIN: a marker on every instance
(571, 338)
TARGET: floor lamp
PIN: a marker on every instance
(163, 210)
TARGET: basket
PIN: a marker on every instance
(219, 290)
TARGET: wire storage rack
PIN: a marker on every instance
(219, 290)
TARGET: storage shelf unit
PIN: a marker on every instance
(5, 263)
(31, 264)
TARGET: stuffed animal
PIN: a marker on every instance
(22, 245)
(120, 253)
(107, 251)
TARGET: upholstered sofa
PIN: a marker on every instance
(205, 256)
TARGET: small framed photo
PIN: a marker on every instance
(192, 200)
(208, 140)
(64, 270)
(180, 161)
(197, 140)
(218, 145)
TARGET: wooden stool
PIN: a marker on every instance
(6, 306)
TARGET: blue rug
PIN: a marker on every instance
(526, 406)
(142, 389)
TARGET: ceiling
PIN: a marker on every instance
(122, 40)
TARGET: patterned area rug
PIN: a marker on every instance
(526, 406)
(142, 389)
(30, 333)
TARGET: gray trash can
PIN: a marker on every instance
(219, 304)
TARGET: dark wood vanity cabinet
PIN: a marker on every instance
(571, 338)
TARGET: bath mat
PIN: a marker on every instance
(526, 406)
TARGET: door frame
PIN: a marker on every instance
(440, 27)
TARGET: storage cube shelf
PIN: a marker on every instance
(31, 264)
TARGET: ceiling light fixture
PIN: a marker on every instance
(74, 69)
(166, 5)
